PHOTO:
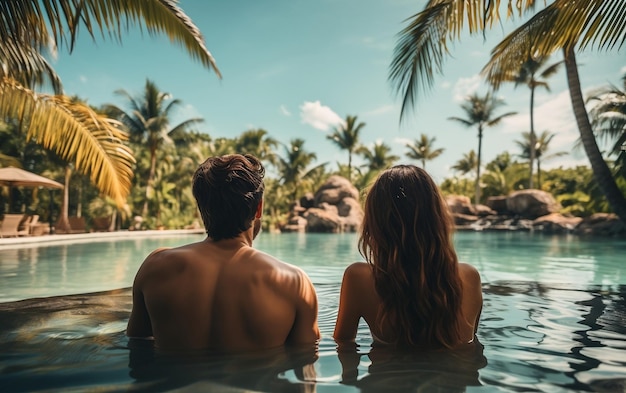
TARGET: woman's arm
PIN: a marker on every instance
(349, 303)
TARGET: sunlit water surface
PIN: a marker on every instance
(554, 319)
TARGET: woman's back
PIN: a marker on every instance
(413, 291)
(360, 300)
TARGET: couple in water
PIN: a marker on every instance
(221, 294)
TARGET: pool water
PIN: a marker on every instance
(554, 319)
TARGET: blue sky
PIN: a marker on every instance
(296, 68)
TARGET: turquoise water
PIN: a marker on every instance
(554, 319)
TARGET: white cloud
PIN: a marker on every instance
(284, 110)
(623, 70)
(555, 116)
(464, 87)
(82, 78)
(319, 116)
(380, 110)
(402, 141)
(446, 84)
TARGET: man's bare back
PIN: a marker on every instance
(223, 296)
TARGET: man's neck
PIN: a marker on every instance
(243, 239)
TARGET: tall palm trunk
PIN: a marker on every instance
(601, 172)
(533, 138)
(480, 147)
(63, 223)
(538, 173)
(350, 165)
(150, 182)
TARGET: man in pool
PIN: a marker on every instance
(222, 294)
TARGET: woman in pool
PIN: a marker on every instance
(412, 292)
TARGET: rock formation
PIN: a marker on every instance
(529, 210)
(333, 208)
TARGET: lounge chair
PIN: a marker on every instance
(101, 224)
(24, 228)
(39, 229)
(9, 226)
(77, 225)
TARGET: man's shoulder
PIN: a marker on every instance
(272, 263)
(164, 259)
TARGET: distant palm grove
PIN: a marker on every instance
(125, 161)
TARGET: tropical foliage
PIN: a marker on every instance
(34, 29)
(422, 149)
(148, 122)
(538, 145)
(480, 112)
(533, 74)
(609, 121)
(573, 24)
(346, 137)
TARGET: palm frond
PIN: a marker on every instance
(34, 24)
(92, 141)
(27, 65)
(422, 45)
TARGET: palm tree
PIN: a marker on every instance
(293, 168)
(480, 111)
(541, 147)
(32, 29)
(609, 119)
(531, 74)
(258, 143)
(148, 124)
(422, 149)
(467, 164)
(346, 137)
(379, 157)
(423, 44)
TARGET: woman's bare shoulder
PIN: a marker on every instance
(359, 269)
(469, 273)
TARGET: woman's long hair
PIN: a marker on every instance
(406, 237)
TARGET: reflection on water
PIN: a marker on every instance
(554, 319)
(535, 337)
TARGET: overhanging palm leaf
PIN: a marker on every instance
(27, 65)
(33, 23)
(92, 141)
(422, 45)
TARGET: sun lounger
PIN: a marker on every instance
(10, 224)
(23, 228)
(101, 224)
(77, 225)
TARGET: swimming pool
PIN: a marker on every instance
(554, 319)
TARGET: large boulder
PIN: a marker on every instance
(497, 203)
(556, 223)
(484, 211)
(295, 224)
(531, 203)
(603, 224)
(460, 204)
(351, 214)
(307, 201)
(320, 220)
(334, 190)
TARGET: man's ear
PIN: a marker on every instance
(259, 209)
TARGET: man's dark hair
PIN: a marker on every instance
(228, 190)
